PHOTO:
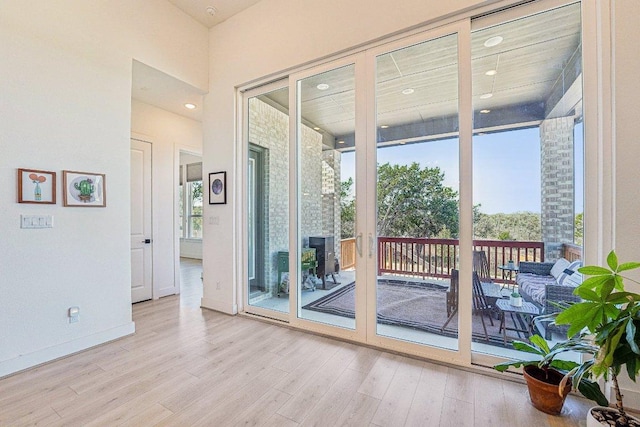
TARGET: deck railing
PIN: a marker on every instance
(571, 252)
(436, 257)
(348, 253)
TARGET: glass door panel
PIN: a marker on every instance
(417, 190)
(527, 174)
(268, 201)
(326, 207)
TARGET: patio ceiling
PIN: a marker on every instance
(532, 63)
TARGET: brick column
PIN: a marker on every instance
(557, 184)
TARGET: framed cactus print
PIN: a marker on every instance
(84, 189)
(36, 186)
(217, 188)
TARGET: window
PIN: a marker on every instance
(190, 203)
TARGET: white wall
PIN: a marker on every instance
(627, 149)
(168, 133)
(65, 103)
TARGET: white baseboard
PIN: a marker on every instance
(219, 306)
(48, 354)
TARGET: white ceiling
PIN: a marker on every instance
(164, 91)
(529, 64)
(224, 9)
(156, 88)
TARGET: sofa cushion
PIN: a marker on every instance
(571, 269)
(573, 280)
(559, 267)
(534, 285)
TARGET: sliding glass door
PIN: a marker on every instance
(417, 192)
(326, 120)
(394, 196)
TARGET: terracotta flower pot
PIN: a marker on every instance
(612, 415)
(543, 389)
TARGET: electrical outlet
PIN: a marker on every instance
(74, 314)
(218, 286)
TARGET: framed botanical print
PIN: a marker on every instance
(84, 189)
(36, 186)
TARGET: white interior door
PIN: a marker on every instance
(141, 247)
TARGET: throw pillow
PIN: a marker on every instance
(571, 268)
(559, 267)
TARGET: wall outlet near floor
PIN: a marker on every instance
(74, 314)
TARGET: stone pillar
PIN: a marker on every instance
(557, 184)
(331, 197)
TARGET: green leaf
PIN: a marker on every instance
(586, 294)
(591, 390)
(563, 365)
(526, 347)
(607, 287)
(631, 337)
(622, 297)
(501, 367)
(628, 266)
(619, 283)
(612, 260)
(540, 342)
(595, 282)
(594, 270)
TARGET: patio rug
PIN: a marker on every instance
(416, 305)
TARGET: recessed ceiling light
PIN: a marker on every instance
(408, 91)
(384, 126)
(323, 86)
(485, 111)
(486, 96)
(493, 41)
(491, 73)
(340, 142)
(190, 106)
(316, 128)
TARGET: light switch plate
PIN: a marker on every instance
(36, 221)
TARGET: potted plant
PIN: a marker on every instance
(515, 299)
(546, 375)
(608, 323)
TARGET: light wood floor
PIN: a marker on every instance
(191, 367)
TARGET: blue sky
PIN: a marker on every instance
(506, 175)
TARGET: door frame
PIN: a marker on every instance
(177, 149)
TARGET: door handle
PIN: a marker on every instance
(359, 244)
(146, 241)
(370, 245)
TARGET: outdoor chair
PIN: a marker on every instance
(481, 266)
(452, 298)
(480, 303)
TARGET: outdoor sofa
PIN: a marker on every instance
(545, 283)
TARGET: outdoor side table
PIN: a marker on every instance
(524, 313)
(507, 274)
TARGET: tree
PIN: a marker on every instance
(522, 226)
(578, 229)
(347, 210)
(414, 202)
